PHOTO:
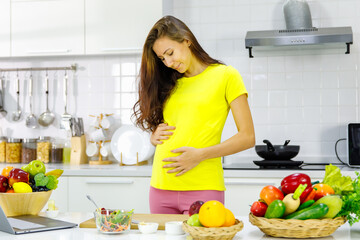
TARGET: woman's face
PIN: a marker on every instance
(173, 54)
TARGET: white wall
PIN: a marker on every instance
(307, 98)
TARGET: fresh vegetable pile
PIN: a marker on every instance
(113, 221)
(299, 198)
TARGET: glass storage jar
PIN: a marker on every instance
(57, 148)
(13, 150)
(43, 149)
(2, 149)
(28, 151)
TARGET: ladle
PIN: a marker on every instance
(31, 121)
(17, 114)
(47, 117)
(3, 112)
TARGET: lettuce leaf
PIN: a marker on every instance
(333, 177)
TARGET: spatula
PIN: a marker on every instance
(66, 117)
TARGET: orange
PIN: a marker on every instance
(10, 191)
(321, 190)
(6, 170)
(229, 218)
(212, 214)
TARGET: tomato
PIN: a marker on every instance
(258, 208)
(271, 193)
(290, 183)
(321, 190)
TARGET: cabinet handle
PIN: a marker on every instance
(234, 182)
(49, 51)
(109, 181)
(125, 50)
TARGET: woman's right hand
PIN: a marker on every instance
(161, 133)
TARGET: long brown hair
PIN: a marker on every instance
(156, 80)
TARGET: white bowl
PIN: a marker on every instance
(52, 213)
(174, 228)
(148, 227)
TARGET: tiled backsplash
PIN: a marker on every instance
(307, 98)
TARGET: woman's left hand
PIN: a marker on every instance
(189, 159)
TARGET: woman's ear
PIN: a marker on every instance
(188, 42)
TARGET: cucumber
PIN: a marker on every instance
(276, 209)
(306, 204)
(313, 212)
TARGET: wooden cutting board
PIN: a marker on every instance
(159, 218)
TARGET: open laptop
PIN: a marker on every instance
(30, 223)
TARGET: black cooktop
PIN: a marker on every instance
(277, 165)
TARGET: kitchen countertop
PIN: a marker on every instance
(249, 232)
(115, 170)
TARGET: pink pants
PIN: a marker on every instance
(178, 202)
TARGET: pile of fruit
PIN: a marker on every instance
(299, 198)
(210, 214)
(29, 178)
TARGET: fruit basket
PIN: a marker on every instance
(291, 228)
(16, 204)
(213, 233)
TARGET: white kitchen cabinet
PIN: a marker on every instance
(47, 27)
(5, 28)
(109, 192)
(242, 192)
(119, 26)
(60, 195)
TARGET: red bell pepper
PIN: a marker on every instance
(291, 182)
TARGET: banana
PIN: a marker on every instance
(57, 173)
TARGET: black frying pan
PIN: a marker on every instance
(277, 152)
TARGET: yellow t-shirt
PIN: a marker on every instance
(198, 108)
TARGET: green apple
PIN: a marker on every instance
(334, 203)
(35, 167)
(194, 220)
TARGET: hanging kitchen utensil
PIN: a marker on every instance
(47, 117)
(277, 152)
(17, 114)
(31, 121)
(65, 118)
(3, 112)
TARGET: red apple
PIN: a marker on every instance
(18, 175)
(3, 183)
(195, 207)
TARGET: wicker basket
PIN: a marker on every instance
(219, 233)
(311, 228)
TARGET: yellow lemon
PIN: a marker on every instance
(21, 187)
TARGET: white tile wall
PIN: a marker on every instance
(308, 96)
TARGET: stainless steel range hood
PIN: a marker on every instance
(309, 36)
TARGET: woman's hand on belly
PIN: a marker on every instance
(189, 158)
(161, 133)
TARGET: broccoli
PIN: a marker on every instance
(52, 183)
(41, 180)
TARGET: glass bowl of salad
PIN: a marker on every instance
(111, 221)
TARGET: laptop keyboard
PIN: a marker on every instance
(21, 224)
